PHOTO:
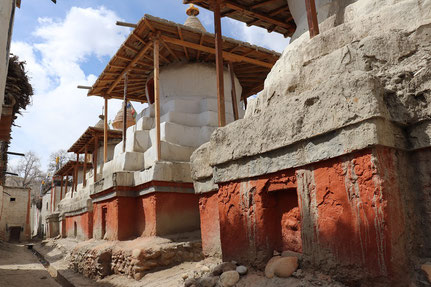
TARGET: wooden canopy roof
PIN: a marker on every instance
(89, 136)
(273, 15)
(68, 168)
(251, 63)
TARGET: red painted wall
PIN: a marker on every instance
(159, 213)
(210, 224)
(84, 223)
(350, 216)
(176, 212)
(146, 211)
(256, 217)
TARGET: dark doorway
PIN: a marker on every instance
(290, 220)
(75, 230)
(14, 233)
(104, 213)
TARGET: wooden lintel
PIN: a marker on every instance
(226, 55)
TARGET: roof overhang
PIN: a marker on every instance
(272, 15)
(68, 168)
(251, 63)
(89, 136)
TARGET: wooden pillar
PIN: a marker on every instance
(233, 92)
(53, 190)
(219, 64)
(125, 112)
(105, 133)
(84, 176)
(67, 183)
(157, 94)
(313, 25)
(61, 188)
(96, 150)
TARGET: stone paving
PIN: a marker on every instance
(20, 267)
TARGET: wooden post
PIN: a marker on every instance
(76, 171)
(219, 64)
(96, 151)
(84, 176)
(61, 188)
(233, 92)
(157, 94)
(52, 192)
(125, 112)
(67, 183)
(313, 25)
(105, 133)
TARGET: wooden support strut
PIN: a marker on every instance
(313, 24)
(157, 94)
(125, 112)
(95, 152)
(61, 188)
(84, 175)
(67, 183)
(233, 92)
(219, 64)
(76, 171)
(105, 132)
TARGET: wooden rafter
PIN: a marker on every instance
(129, 66)
(180, 35)
(229, 56)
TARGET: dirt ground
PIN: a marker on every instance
(19, 267)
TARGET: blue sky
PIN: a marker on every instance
(68, 44)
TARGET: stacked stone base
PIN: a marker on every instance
(97, 260)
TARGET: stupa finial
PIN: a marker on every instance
(192, 10)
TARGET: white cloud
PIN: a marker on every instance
(257, 36)
(60, 112)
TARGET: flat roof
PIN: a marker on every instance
(272, 15)
(251, 63)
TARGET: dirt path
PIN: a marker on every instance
(20, 268)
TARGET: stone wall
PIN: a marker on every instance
(15, 212)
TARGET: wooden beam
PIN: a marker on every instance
(84, 175)
(313, 24)
(169, 50)
(263, 3)
(233, 92)
(219, 64)
(105, 132)
(130, 66)
(262, 16)
(125, 24)
(226, 55)
(125, 112)
(157, 95)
